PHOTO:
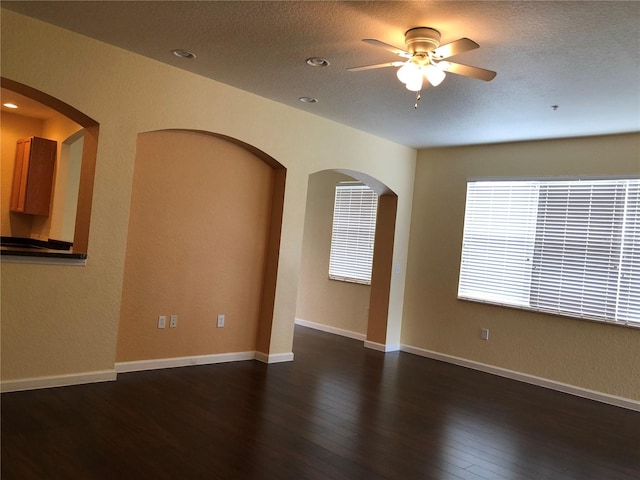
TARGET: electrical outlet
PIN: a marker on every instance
(220, 321)
(162, 321)
(484, 334)
(173, 321)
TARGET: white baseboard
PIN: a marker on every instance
(526, 378)
(381, 347)
(274, 357)
(329, 329)
(35, 383)
(137, 366)
(350, 334)
(140, 365)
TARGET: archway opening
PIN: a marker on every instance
(354, 310)
(84, 196)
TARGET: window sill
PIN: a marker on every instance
(349, 280)
(633, 325)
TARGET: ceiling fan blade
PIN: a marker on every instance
(467, 71)
(386, 46)
(454, 48)
(371, 67)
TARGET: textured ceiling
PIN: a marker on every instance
(582, 56)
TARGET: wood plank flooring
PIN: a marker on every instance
(339, 411)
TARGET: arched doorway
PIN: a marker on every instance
(348, 309)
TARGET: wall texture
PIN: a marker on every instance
(332, 303)
(200, 211)
(59, 320)
(585, 354)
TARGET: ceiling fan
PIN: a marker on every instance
(425, 58)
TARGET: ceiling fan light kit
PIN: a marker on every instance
(424, 59)
(412, 74)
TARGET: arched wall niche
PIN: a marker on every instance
(89, 154)
(265, 157)
(357, 311)
(204, 234)
(273, 245)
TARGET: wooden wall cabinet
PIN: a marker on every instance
(33, 176)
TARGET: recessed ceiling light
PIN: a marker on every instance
(317, 62)
(308, 100)
(10, 105)
(178, 52)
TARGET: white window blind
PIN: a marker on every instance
(564, 247)
(629, 287)
(353, 233)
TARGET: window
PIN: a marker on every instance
(353, 233)
(564, 247)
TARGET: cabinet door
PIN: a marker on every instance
(33, 176)
(20, 170)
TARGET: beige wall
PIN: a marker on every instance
(61, 319)
(332, 303)
(57, 128)
(590, 355)
(66, 203)
(200, 211)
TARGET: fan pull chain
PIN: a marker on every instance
(418, 97)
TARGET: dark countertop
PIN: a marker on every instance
(31, 247)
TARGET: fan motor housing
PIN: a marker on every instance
(421, 39)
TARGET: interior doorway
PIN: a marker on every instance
(348, 309)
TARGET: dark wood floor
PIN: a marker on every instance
(339, 411)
